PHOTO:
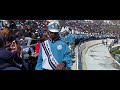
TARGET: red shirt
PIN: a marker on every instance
(37, 47)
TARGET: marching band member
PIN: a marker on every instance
(54, 53)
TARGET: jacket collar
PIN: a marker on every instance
(53, 41)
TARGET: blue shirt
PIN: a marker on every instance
(60, 54)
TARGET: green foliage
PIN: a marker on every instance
(116, 52)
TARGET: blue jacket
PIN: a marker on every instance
(60, 51)
(70, 38)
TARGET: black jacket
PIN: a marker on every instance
(8, 59)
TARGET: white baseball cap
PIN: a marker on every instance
(54, 27)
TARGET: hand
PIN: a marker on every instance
(60, 66)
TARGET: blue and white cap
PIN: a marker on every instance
(62, 30)
(54, 27)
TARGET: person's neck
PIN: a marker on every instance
(55, 39)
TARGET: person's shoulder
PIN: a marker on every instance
(5, 52)
(63, 41)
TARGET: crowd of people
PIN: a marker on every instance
(96, 28)
(25, 49)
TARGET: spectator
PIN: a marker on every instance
(28, 37)
(15, 47)
(7, 58)
(37, 47)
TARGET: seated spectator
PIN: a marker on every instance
(8, 59)
(15, 47)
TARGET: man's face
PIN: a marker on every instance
(53, 35)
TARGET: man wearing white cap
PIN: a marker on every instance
(70, 40)
(54, 53)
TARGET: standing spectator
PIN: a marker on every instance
(45, 36)
(37, 47)
(17, 36)
(28, 36)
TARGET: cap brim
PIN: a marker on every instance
(54, 30)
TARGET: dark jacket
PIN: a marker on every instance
(8, 59)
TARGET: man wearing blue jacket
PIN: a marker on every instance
(69, 39)
(54, 53)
